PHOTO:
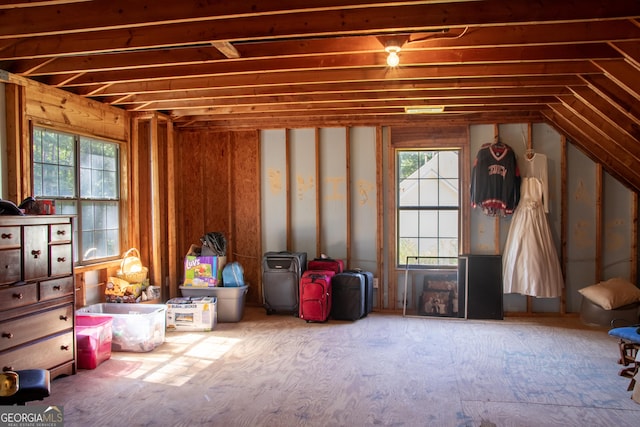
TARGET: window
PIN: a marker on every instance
(82, 175)
(428, 206)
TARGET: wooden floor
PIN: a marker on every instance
(383, 370)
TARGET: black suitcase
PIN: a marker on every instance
(348, 296)
(281, 273)
(368, 289)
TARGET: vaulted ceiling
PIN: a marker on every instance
(287, 63)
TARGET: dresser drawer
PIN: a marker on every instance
(45, 354)
(24, 329)
(60, 233)
(9, 236)
(10, 271)
(18, 296)
(61, 260)
(56, 288)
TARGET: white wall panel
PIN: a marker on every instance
(333, 192)
(363, 198)
(273, 175)
(581, 225)
(617, 201)
(303, 190)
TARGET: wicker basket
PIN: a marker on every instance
(131, 268)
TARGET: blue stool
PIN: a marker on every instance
(20, 387)
(629, 343)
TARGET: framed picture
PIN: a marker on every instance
(440, 295)
(432, 289)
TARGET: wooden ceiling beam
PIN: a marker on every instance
(528, 35)
(608, 112)
(627, 145)
(289, 17)
(624, 74)
(582, 135)
(504, 55)
(398, 105)
(616, 95)
(354, 75)
(440, 85)
(406, 96)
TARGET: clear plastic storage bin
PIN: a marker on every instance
(136, 327)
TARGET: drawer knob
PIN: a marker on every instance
(35, 253)
(61, 259)
(65, 318)
(7, 235)
(56, 288)
(18, 296)
(8, 335)
(61, 232)
(64, 347)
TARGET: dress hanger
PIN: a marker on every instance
(530, 153)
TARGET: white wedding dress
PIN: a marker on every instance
(530, 264)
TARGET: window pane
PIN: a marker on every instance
(37, 145)
(96, 184)
(110, 157)
(407, 247)
(110, 185)
(67, 182)
(50, 180)
(100, 236)
(407, 223)
(88, 219)
(96, 155)
(428, 224)
(50, 148)
(37, 179)
(66, 153)
(448, 193)
(428, 247)
(448, 161)
(408, 193)
(408, 163)
(448, 226)
(429, 192)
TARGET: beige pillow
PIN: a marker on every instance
(612, 293)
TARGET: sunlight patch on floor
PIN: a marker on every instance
(179, 359)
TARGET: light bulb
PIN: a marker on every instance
(393, 59)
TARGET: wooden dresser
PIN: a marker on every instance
(37, 294)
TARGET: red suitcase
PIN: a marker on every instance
(336, 265)
(315, 295)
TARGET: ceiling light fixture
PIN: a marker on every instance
(393, 59)
(424, 110)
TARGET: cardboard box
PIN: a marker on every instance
(192, 314)
(201, 271)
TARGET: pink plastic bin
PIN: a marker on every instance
(93, 336)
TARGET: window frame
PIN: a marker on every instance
(421, 261)
(77, 199)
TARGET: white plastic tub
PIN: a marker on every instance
(136, 327)
(230, 300)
